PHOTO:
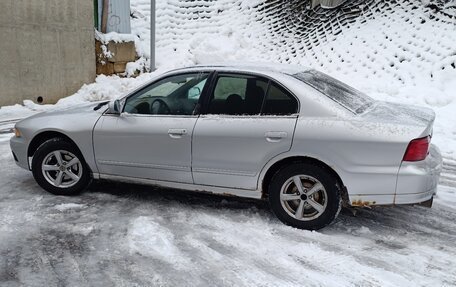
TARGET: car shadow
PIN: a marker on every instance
(348, 217)
(158, 194)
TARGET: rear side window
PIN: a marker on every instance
(250, 95)
(279, 101)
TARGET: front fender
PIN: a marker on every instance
(77, 126)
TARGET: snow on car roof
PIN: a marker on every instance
(252, 67)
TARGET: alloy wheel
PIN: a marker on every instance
(303, 197)
(62, 169)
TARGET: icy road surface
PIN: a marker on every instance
(127, 235)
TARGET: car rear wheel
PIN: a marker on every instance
(305, 196)
(59, 168)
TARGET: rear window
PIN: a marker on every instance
(347, 96)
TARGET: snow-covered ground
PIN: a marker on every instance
(127, 235)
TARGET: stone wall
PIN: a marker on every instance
(46, 49)
(119, 55)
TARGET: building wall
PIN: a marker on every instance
(118, 16)
(47, 49)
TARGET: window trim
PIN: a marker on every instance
(196, 111)
(288, 93)
(211, 89)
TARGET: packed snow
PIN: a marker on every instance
(68, 206)
(127, 235)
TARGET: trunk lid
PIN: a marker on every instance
(401, 114)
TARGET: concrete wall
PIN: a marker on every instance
(47, 49)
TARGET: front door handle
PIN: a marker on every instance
(177, 133)
(275, 136)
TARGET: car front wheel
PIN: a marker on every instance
(59, 168)
(305, 196)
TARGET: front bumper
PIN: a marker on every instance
(417, 181)
(19, 149)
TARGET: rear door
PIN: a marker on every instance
(247, 121)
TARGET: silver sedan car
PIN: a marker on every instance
(306, 142)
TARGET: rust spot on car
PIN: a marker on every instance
(362, 203)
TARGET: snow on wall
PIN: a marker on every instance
(386, 40)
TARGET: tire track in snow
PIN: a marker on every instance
(448, 176)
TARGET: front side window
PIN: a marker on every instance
(174, 95)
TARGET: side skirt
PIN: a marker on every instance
(256, 194)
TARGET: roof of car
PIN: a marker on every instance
(250, 67)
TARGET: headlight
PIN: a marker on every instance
(17, 133)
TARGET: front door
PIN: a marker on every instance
(248, 121)
(152, 137)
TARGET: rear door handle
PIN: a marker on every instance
(177, 133)
(275, 136)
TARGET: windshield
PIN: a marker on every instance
(343, 94)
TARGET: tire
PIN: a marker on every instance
(319, 201)
(67, 175)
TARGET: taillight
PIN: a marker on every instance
(417, 149)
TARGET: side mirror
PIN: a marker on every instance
(114, 107)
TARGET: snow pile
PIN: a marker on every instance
(104, 88)
(114, 36)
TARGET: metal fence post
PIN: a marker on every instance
(152, 35)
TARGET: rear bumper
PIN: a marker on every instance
(417, 181)
(19, 149)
